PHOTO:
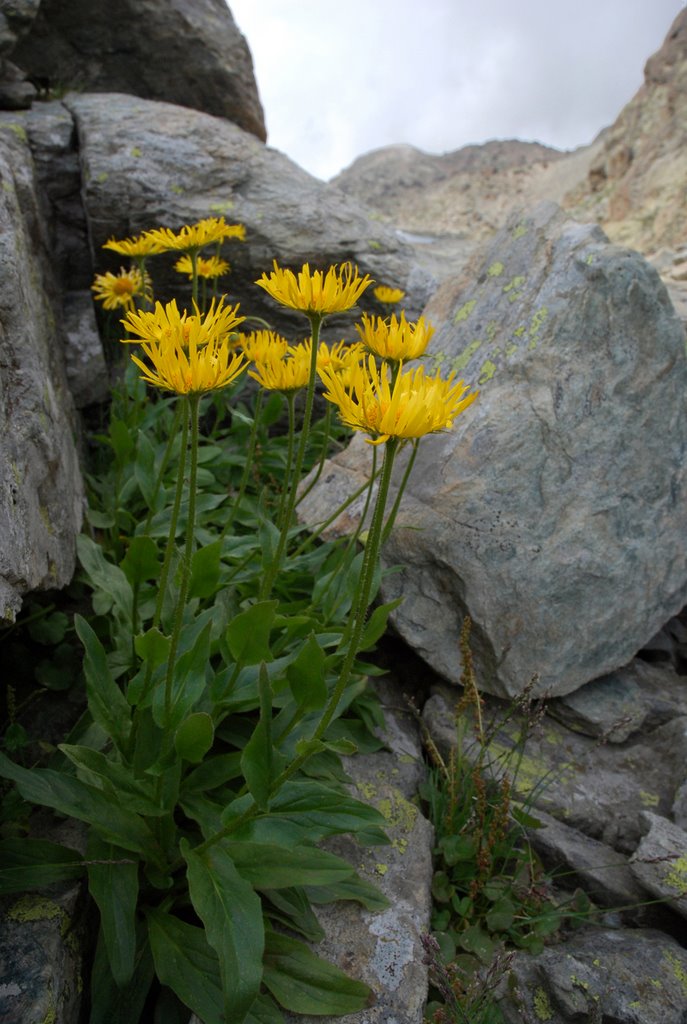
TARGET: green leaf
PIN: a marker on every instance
(107, 580)
(291, 908)
(353, 888)
(525, 819)
(194, 737)
(376, 625)
(107, 703)
(213, 772)
(145, 471)
(61, 669)
(96, 769)
(188, 681)
(186, 963)
(501, 916)
(75, 799)
(303, 983)
(306, 676)
(457, 848)
(475, 940)
(248, 634)
(259, 760)
(153, 647)
(121, 440)
(48, 629)
(205, 570)
(33, 863)
(270, 866)
(141, 561)
(232, 914)
(110, 1003)
(113, 884)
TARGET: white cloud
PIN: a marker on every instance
(338, 79)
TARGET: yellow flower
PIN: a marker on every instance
(279, 373)
(117, 291)
(314, 292)
(388, 295)
(262, 346)
(187, 354)
(339, 357)
(210, 267)
(167, 325)
(416, 404)
(196, 236)
(136, 248)
(394, 339)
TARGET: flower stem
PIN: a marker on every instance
(248, 465)
(194, 404)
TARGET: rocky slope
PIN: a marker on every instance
(631, 179)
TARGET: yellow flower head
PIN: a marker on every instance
(117, 291)
(339, 357)
(167, 324)
(136, 248)
(388, 295)
(284, 373)
(193, 237)
(416, 404)
(394, 339)
(187, 354)
(262, 346)
(314, 292)
(210, 267)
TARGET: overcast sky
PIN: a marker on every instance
(338, 78)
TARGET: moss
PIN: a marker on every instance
(541, 1004)
(464, 312)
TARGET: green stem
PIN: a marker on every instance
(290, 402)
(360, 606)
(193, 403)
(335, 515)
(323, 454)
(391, 519)
(292, 485)
(247, 465)
(171, 537)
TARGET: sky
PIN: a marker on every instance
(338, 78)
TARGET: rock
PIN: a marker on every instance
(15, 19)
(621, 976)
(41, 958)
(600, 790)
(554, 512)
(576, 859)
(16, 93)
(660, 861)
(188, 52)
(148, 164)
(41, 490)
(85, 362)
(618, 705)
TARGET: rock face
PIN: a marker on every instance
(554, 512)
(40, 481)
(188, 52)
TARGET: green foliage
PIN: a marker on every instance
(207, 765)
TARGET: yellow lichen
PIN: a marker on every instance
(541, 1004)
(677, 875)
(488, 371)
(648, 799)
(35, 908)
(519, 230)
(461, 361)
(464, 311)
(677, 969)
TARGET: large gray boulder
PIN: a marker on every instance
(188, 52)
(147, 164)
(41, 491)
(555, 511)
